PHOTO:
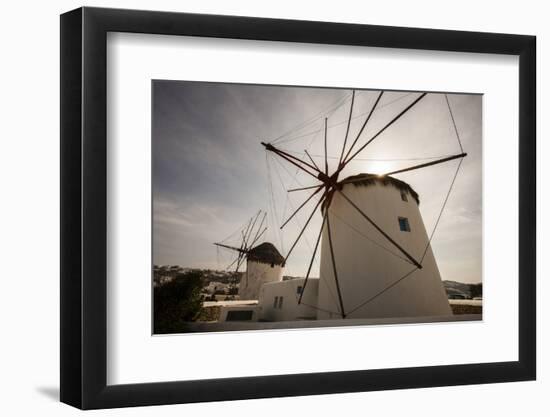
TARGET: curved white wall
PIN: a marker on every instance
(257, 274)
(365, 269)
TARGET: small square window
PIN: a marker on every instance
(404, 224)
(299, 290)
(404, 195)
(275, 302)
(280, 302)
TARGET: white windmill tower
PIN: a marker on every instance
(394, 273)
(264, 263)
(368, 269)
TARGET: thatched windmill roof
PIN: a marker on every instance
(265, 253)
(366, 180)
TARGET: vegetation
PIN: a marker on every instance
(476, 290)
(177, 301)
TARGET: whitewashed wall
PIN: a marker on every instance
(365, 269)
(257, 274)
(290, 309)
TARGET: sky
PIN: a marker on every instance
(211, 174)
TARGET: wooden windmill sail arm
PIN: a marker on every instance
(388, 237)
(244, 243)
(399, 171)
(232, 263)
(244, 233)
(313, 257)
(345, 158)
(249, 234)
(241, 260)
(396, 118)
(326, 149)
(305, 226)
(333, 261)
(427, 164)
(303, 165)
(258, 237)
(319, 187)
(311, 159)
(240, 250)
(347, 129)
(311, 187)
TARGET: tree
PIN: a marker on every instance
(476, 290)
(177, 302)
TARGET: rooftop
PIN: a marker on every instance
(266, 253)
(366, 180)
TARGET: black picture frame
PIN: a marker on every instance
(84, 207)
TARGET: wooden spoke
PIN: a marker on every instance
(326, 155)
(311, 159)
(240, 263)
(305, 226)
(292, 159)
(333, 260)
(311, 187)
(230, 247)
(258, 237)
(302, 205)
(427, 164)
(232, 263)
(362, 128)
(313, 257)
(399, 171)
(347, 130)
(249, 234)
(396, 118)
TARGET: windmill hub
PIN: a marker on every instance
(329, 181)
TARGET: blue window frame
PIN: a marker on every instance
(404, 224)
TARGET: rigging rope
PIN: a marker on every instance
(374, 297)
(442, 209)
(330, 109)
(454, 124)
(291, 205)
(343, 121)
(297, 297)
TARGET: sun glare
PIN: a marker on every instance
(378, 167)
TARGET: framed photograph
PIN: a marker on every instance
(258, 208)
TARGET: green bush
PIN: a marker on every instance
(177, 302)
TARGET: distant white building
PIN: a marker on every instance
(214, 286)
(279, 300)
(264, 264)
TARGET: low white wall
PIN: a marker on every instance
(272, 309)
